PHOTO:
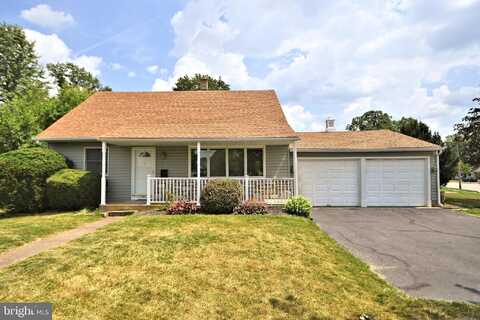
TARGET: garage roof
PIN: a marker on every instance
(352, 141)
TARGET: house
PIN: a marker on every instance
(154, 146)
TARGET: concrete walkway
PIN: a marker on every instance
(30, 249)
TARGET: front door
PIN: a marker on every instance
(143, 165)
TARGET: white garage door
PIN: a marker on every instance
(399, 182)
(330, 182)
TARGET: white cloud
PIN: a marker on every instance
(131, 74)
(152, 69)
(51, 49)
(42, 15)
(117, 66)
(336, 58)
(302, 120)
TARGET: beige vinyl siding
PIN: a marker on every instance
(119, 175)
(174, 159)
(73, 151)
(432, 155)
(277, 161)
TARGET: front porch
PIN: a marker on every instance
(161, 172)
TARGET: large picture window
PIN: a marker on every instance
(255, 162)
(93, 160)
(203, 163)
(236, 163)
(213, 162)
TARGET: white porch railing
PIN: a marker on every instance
(270, 190)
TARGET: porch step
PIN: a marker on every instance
(129, 207)
(119, 213)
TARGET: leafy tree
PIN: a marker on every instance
(449, 159)
(67, 99)
(371, 120)
(417, 129)
(186, 83)
(20, 118)
(70, 75)
(469, 131)
(18, 63)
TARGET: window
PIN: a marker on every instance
(217, 162)
(203, 163)
(93, 160)
(236, 163)
(255, 162)
(213, 162)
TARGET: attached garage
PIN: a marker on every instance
(368, 169)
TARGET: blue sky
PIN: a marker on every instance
(324, 58)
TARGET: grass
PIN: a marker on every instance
(16, 230)
(212, 267)
(466, 201)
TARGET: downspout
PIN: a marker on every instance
(439, 196)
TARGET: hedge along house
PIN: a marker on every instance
(156, 146)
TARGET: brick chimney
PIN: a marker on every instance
(204, 83)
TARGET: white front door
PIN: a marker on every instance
(143, 164)
(330, 182)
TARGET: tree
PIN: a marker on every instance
(70, 75)
(449, 159)
(67, 99)
(469, 132)
(371, 120)
(18, 63)
(186, 83)
(417, 129)
(20, 118)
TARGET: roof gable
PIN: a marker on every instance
(174, 115)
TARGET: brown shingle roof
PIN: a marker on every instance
(360, 141)
(174, 115)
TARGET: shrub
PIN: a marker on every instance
(23, 177)
(251, 207)
(221, 196)
(71, 189)
(298, 206)
(182, 207)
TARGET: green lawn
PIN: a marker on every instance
(212, 267)
(16, 230)
(466, 201)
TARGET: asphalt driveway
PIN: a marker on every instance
(432, 253)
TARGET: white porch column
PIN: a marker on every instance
(295, 167)
(198, 172)
(103, 197)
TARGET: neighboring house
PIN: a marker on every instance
(146, 147)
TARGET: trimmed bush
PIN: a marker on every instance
(298, 206)
(221, 196)
(71, 189)
(251, 207)
(23, 178)
(182, 207)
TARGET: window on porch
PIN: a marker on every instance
(213, 162)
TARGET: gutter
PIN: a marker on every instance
(364, 150)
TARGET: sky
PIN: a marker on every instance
(335, 59)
